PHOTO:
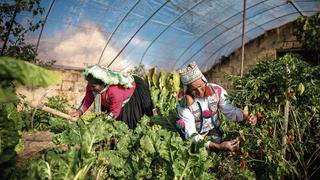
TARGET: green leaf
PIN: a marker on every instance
(301, 88)
(7, 95)
(147, 144)
(26, 73)
(163, 79)
(259, 142)
(176, 81)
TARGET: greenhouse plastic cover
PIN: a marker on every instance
(122, 34)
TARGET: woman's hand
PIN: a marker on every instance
(75, 114)
(252, 120)
(230, 145)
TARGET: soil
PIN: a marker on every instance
(34, 144)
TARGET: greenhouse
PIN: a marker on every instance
(160, 89)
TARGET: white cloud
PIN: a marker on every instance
(79, 47)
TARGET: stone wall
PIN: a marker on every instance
(262, 48)
(72, 86)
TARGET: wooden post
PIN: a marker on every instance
(285, 128)
(242, 36)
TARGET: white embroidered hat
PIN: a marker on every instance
(108, 76)
(190, 74)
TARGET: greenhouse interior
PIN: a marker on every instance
(160, 89)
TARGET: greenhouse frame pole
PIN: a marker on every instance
(242, 36)
(114, 59)
(45, 21)
(250, 31)
(10, 27)
(294, 6)
(163, 31)
(209, 42)
(202, 35)
(115, 30)
(220, 24)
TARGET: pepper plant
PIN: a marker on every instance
(285, 95)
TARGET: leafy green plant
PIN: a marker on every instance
(164, 89)
(15, 72)
(285, 97)
(307, 30)
(12, 73)
(11, 123)
(148, 152)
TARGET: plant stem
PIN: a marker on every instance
(301, 162)
(311, 157)
(297, 124)
(274, 130)
(285, 128)
(256, 160)
(184, 171)
(314, 171)
(98, 174)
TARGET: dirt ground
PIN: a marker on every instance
(34, 144)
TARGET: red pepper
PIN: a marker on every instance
(289, 139)
(180, 95)
(258, 115)
(243, 164)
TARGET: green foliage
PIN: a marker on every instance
(105, 149)
(26, 73)
(13, 71)
(164, 89)
(12, 31)
(287, 79)
(307, 30)
(148, 152)
(11, 123)
(139, 70)
(27, 52)
(40, 120)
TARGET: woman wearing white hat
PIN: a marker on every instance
(198, 109)
(122, 96)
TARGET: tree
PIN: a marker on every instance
(13, 31)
